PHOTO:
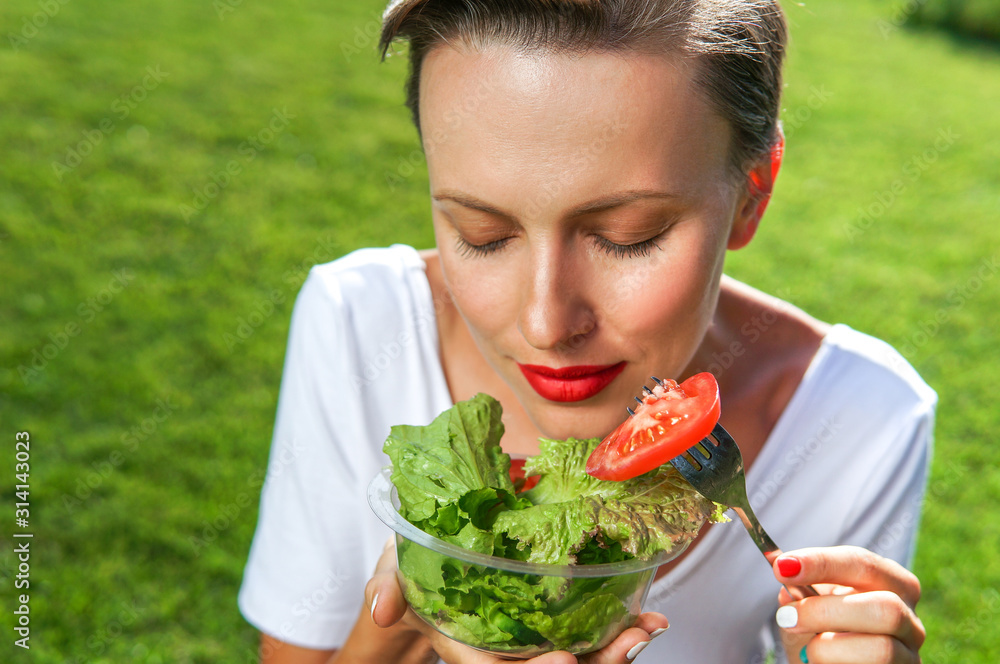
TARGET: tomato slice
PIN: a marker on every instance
(667, 423)
(521, 483)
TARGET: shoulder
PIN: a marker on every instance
(855, 368)
(362, 311)
(795, 368)
(797, 349)
(764, 348)
(861, 400)
(369, 291)
(366, 273)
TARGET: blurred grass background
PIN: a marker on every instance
(978, 18)
(170, 170)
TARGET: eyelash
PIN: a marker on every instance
(468, 250)
(619, 251)
(623, 251)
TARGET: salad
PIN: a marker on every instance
(454, 482)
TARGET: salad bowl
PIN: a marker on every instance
(512, 608)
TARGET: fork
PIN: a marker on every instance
(714, 467)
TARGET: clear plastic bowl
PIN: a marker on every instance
(464, 594)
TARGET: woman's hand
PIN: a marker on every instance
(865, 612)
(387, 607)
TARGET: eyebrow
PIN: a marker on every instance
(597, 205)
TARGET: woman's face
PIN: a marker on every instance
(582, 207)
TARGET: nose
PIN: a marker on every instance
(555, 310)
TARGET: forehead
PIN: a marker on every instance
(526, 115)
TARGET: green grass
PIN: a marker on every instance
(150, 419)
(978, 18)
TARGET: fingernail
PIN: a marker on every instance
(803, 656)
(787, 617)
(636, 649)
(656, 632)
(789, 566)
(374, 602)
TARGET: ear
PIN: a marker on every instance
(759, 185)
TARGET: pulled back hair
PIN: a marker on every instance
(737, 46)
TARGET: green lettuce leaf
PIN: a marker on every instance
(644, 516)
(435, 465)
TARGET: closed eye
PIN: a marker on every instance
(469, 250)
(623, 251)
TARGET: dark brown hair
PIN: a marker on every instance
(738, 45)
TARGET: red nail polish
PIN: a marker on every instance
(789, 567)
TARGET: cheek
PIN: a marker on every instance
(483, 297)
(665, 308)
(486, 312)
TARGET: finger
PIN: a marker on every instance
(877, 612)
(821, 588)
(652, 623)
(627, 646)
(848, 566)
(383, 596)
(859, 649)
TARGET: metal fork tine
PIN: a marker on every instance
(722, 436)
(683, 465)
(699, 455)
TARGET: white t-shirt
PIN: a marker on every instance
(845, 464)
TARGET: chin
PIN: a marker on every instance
(575, 420)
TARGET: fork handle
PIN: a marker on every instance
(770, 550)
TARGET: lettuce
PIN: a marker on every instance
(644, 516)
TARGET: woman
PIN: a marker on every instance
(591, 162)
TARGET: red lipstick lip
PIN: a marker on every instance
(567, 384)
